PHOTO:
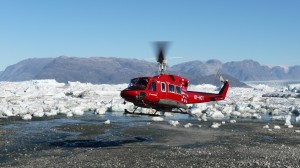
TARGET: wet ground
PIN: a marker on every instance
(131, 141)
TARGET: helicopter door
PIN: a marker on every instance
(163, 89)
(153, 90)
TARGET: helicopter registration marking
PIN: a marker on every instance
(198, 97)
(150, 94)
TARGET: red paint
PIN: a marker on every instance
(166, 91)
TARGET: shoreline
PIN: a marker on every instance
(139, 142)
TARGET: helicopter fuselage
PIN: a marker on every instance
(165, 92)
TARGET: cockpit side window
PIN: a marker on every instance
(142, 82)
(132, 82)
(138, 84)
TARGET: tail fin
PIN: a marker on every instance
(224, 89)
(201, 97)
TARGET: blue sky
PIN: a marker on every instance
(267, 31)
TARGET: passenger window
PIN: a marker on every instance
(178, 90)
(171, 88)
(153, 86)
(163, 87)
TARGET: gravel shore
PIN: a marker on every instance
(145, 143)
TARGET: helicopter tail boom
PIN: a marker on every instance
(201, 97)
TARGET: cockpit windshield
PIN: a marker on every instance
(138, 84)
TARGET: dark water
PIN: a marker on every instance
(19, 137)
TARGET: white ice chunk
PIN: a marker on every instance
(235, 114)
(256, 116)
(188, 125)
(77, 111)
(215, 125)
(70, 114)
(203, 117)
(174, 123)
(157, 119)
(117, 107)
(266, 126)
(168, 114)
(26, 117)
(51, 113)
(255, 99)
(290, 126)
(232, 121)
(279, 117)
(288, 120)
(101, 110)
(38, 114)
(216, 115)
(276, 127)
(263, 87)
(107, 122)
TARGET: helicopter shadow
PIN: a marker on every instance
(96, 143)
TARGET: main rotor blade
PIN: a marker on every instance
(161, 50)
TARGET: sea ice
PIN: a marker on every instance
(216, 115)
(215, 125)
(173, 123)
(276, 127)
(107, 122)
(232, 121)
(266, 127)
(188, 125)
(157, 119)
(38, 98)
(26, 117)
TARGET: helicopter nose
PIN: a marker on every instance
(129, 95)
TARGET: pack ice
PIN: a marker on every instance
(39, 98)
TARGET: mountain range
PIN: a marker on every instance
(111, 70)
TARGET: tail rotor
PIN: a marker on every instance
(220, 77)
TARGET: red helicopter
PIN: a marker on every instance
(167, 92)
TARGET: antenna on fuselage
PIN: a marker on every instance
(160, 57)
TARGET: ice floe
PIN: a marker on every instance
(277, 127)
(157, 119)
(107, 122)
(262, 101)
(39, 98)
(173, 123)
(215, 125)
(45, 98)
(188, 125)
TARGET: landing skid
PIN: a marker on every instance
(132, 112)
(180, 111)
(153, 114)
